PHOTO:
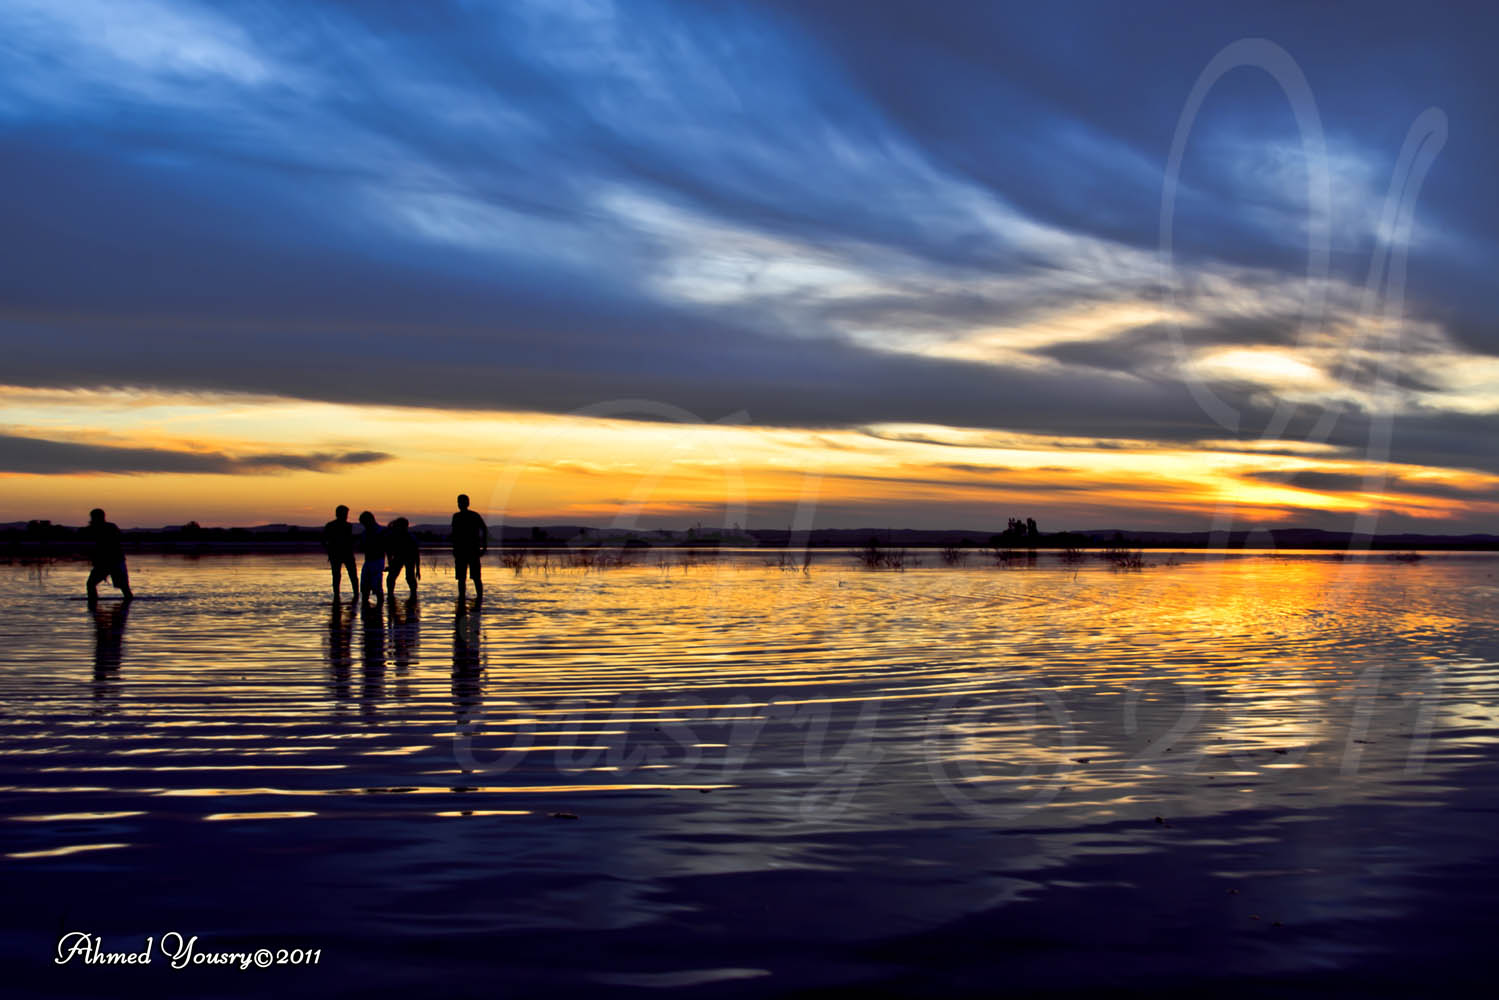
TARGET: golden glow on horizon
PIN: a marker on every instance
(599, 469)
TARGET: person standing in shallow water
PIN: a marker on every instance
(401, 552)
(372, 576)
(107, 555)
(470, 537)
(338, 542)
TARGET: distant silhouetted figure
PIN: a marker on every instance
(371, 576)
(470, 536)
(338, 542)
(401, 552)
(108, 556)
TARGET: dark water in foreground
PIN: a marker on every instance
(1258, 774)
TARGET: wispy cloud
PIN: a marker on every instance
(39, 456)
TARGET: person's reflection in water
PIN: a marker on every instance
(109, 638)
(468, 664)
(340, 656)
(405, 637)
(372, 619)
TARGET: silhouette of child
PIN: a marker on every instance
(371, 577)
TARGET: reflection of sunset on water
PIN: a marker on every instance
(1019, 724)
(1237, 678)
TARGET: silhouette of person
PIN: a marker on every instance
(371, 576)
(108, 556)
(401, 552)
(338, 542)
(470, 538)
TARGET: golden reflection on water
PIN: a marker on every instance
(840, 698)
(62, 817)
(64, 851)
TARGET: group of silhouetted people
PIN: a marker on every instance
(390, 550)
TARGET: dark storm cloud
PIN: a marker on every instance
(722, 207)
(39, 456)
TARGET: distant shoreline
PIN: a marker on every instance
(40, 539)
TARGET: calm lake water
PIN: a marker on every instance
(1255, 773)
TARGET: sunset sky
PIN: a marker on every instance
(845, 264)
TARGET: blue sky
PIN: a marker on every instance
(814, 216)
